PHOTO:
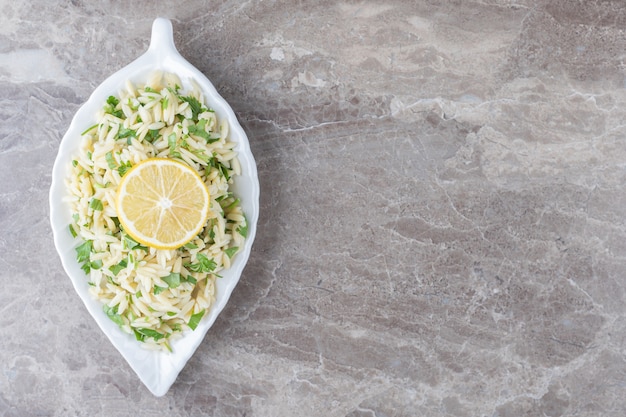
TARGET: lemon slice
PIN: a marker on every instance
(162, 203)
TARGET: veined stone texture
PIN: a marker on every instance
(442, 223)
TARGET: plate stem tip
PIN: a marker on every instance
(162, 40)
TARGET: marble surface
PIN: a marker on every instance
(442, 223)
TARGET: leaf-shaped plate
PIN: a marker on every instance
(157, 370)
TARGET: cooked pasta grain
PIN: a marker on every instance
(156, 295)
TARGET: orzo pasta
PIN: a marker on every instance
(154, 294)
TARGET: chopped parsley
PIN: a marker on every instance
(110, 160)
(83, 256)
(232, 205)
(118, 267)
(200, 154)
(96, 204)
(172, 280)
(142, 333)
(204, 264)
(90, 128)
(112, 101)
(83, 251)
(97, 264)
(172, 144)
(158, 290)
(195, 319)
(199, 129)
(130, 243)
(126, 133)
(190, 280)
(111, 106)
(223, 170)
(196, 107)
(111, 313)
(243, 229)
(124, 167)
(231, 251)
(152, 135)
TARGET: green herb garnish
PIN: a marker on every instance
(172, 144)
(89, 129)
(124, 167)
(204, 264)
(110, 160)
(126, 133)
(111, 313)
(243, 229)
(172, 280)
(112, 101)
(117, 268)
(158, 290)
(195, 319)
(83, 251)
(96, 204)
(148, 333)
(97, 264)
(152, 135)
(109, 108)
(189, 279)
(131, 244)
(231, 251)
(196, 107)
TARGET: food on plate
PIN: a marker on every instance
(152, 207)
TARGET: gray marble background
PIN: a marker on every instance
(442, 213)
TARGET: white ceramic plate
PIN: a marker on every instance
(157, 370)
